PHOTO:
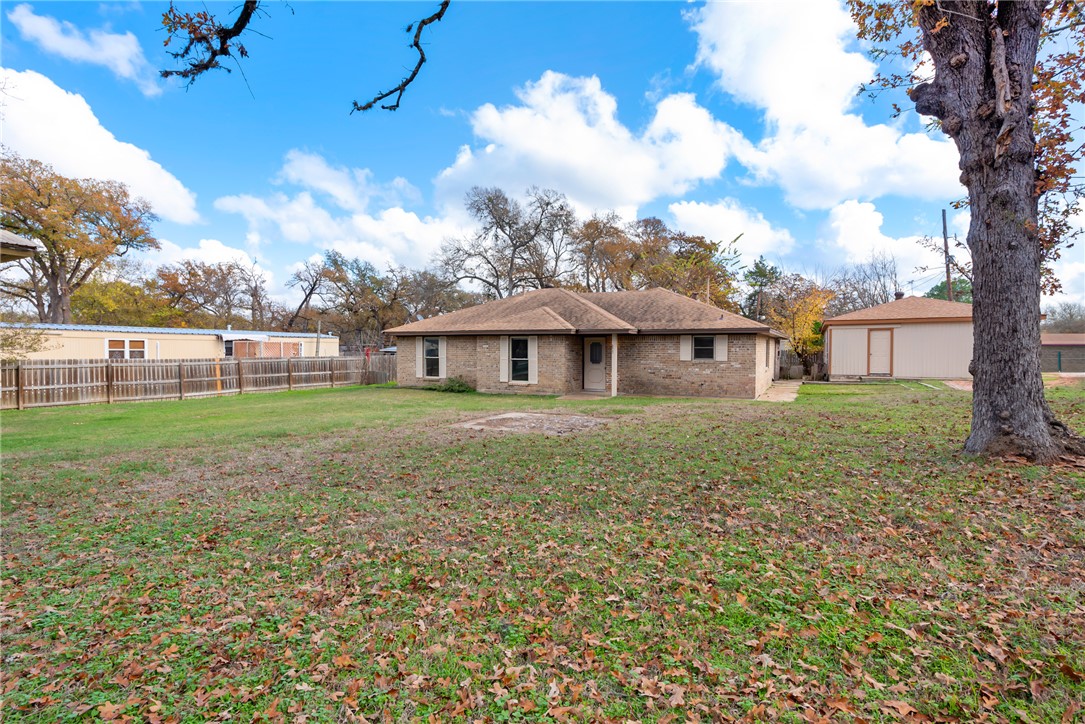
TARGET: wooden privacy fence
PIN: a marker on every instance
(48, 383)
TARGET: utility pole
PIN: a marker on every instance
(945, 245)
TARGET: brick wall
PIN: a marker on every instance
(476, 360)
(647, 365)
(559, 363)
(650, 365)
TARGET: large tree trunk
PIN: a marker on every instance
(982, 93)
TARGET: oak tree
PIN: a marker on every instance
(516, 246)
(1009, 108)
(81, 223)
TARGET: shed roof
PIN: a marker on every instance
(561, 311)
(908, 309)
(111, 329)
(1062, 340)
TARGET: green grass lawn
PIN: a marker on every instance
(334, 555)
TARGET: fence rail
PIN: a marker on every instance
(50, 383)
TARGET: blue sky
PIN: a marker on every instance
(721, 119)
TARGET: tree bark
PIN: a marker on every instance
(982, 93)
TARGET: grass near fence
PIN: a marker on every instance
(329, 555)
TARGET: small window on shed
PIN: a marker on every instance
(117, 348)
(137, 349)
(704, 348)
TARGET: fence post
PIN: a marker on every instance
(240, 378)
(109, 381)
(181, 378)
(20, 382)
(289, 373)
(331, 369)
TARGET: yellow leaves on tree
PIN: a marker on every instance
(796, 308)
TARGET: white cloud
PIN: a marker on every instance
(45, 122)
(392, 235)
(726, 219)
(350, 189)
(796, 67)
(855, 234)
(120, 52)
(565, 134)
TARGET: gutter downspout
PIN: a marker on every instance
(614, 365)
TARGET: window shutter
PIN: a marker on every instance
(721, 347)
(685, 347)
(419, 370)
(533, 360)
(441, 356)
(503, 363)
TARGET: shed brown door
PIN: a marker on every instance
(880, 350)
(595, 367)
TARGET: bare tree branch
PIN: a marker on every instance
(417, 45)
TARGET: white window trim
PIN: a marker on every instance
(128, 346)
(420, 358)
(719, 348)
(504, 349)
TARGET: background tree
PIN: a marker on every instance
(863, 285)
(517, 246)
(601, 250)
(310, 280)
(81, 223)
(1065, 318)
(796, 307)
(427, 294)
(119, 293)
(962, 291)
(757, 279)
(1012, 119)
(212, 295)
(697, 268)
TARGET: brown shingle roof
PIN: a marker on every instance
(908, 309)
(1062, 340)
(660, 310)
(560, 311)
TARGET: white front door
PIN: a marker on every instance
(880, 343)
(595, 367)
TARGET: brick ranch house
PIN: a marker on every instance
(556, 341)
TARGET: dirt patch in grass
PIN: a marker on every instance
(546, 423)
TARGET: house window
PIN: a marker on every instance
(126, 349)
(595, 353)
(704, 348)
(518, 357)
(229, 348)
(431, 347)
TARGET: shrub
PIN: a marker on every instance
(454, 384)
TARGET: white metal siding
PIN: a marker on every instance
(934, 350)
(848, 351)
(940, 350)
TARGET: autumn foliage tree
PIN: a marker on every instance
(81, 223)
(796, 306)
(1007, 88)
